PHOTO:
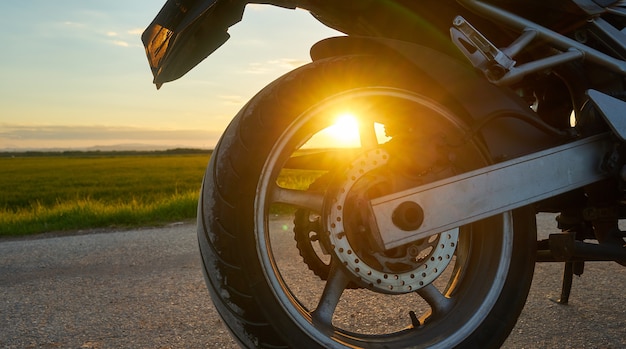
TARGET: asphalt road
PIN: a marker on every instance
(144, 289)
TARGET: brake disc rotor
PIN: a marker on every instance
(401, 270)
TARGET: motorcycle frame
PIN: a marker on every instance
(572, 49)
(511, 143)
(590, 158)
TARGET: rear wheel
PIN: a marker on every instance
(459, 288)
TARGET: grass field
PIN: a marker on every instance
(50, 193)
(86, 190)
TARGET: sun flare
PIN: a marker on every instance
(345, 130)
(344, 133)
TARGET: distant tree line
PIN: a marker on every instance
(80, 153)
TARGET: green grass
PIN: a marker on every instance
(90, 190)
(41, 194)
(86, 214)
(51, 180)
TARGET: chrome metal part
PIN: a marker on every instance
(496, 64)
(609, 35)
(516, 74)
(612, 109)
(485, 56)
(518, 45)
(561, 42)
(617, 10)
(495, 189)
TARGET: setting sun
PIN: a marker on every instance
(344, 133)
(345, 130)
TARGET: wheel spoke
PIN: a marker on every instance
(439, 303)
(337, 282)
(300, 198)
(367, 133)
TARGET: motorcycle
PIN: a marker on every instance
(473, 116)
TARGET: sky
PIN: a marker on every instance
(74, 74)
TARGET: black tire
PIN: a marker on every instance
(249, 272)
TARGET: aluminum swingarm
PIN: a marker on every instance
(419, 212)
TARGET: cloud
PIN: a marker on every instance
(135, 31)
(232, 99)
(257, 68)
(114, 36)
(271, 66)
(120, 43)
(288, 63)
(119, 38)
(68, 135)
(73, 24)
(125, 37)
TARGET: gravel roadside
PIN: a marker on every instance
(144, 289)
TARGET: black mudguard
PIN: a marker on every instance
(185, 32)
(505, 137)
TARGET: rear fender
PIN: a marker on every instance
(185, 32)
(504, 137)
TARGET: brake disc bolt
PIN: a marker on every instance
(413, 251)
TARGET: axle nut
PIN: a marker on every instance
(408, 216)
